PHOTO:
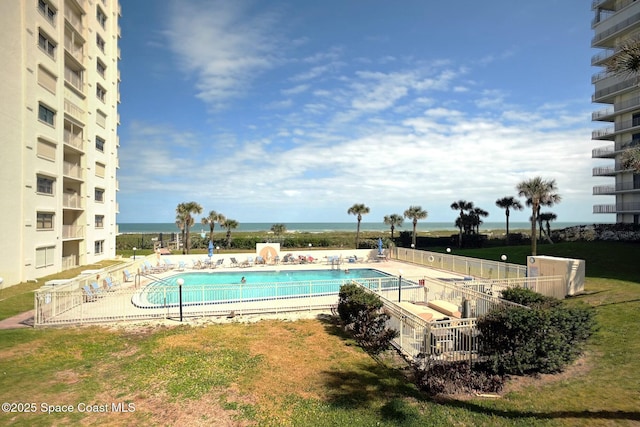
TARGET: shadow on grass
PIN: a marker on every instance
(552, 415)
(365, 386)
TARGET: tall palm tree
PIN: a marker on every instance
(415, 213)
(180, 221)
(547, 217)
(211, 220)
(393, 220)
(476, 214)
(507, 203)
(462, 206)
(539, 192)
(358, 209)
(230, 224)
(185, 210)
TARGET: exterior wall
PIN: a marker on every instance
(614, 23)
(64, 79)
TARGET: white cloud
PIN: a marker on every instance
(222, 45)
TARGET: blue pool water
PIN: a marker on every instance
(223, 287)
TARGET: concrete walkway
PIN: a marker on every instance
(23, 320)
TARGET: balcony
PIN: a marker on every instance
(604, 171)
(608, 114)
(625, 207)
(73, 139)
(610, 28)
(71, 201)
(610, 132)
(72, 232)
(601, 57)
(73, 111)
(75, 50)
(74, 19)
(608, 88)
(621, 187)
(72, 170)
(604, 209)
(605, 152)
(74, 78)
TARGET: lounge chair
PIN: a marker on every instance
(95, 288)
(152, 269)
(89, 295)
(126, 276)
(168, 265)
(234, 262)
(181, 266)
(219, 263)
(260, 260)
(110, 284)
(276, 260)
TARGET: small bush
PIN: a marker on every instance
(361, 312)
(458, 377)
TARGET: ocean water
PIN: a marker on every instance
(319, 227)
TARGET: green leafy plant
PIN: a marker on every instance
(361, 312)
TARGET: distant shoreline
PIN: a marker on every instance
(318, 227)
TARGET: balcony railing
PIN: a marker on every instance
(73, 139)
(72, 232)
(72, 170)
(74, 79)
(618, 188)
(71, 201)
(604, 209)
(606, 151)
(604, 171)
(602, 94)
(618, 207)
(623, 126)
(73, 19)
(602, 56)
(614, 29)
(73, 110)
(603, 189)
(70, 261)
(74, 50)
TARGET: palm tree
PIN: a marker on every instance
(230, 224)
(476, 213)
(358, 209)
(211, 220)
(393, 220)
(507, 203)
(538, 192)
(184, 211)
(547, 217)
(630, 159)
(278, 229)
(415, 213)
(461, 205)
(180, 221)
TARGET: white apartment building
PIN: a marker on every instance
(615, 22)
(59, 96)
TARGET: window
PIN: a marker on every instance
(100, 42)
(46, 79)
(101, 67)
(101, 17)
(44, 221)
(99, 195)
(45, 43)
(99, 247)
(100, 169)
(100, 144)
(46, 149)
(45, 185)
(99, 221)
(47, 11)
(44, 256)
(46, 115)
(101, 92)
(101, 119)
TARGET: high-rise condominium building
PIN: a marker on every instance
(616, 22)
(59, 95)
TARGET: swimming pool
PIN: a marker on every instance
(226, 287)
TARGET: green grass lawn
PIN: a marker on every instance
(308, 373)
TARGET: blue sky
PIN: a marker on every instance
(292, 111)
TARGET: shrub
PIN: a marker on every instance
(458, 377)
(543, 338)
(361, 312)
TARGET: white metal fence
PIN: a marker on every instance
(462, 265)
